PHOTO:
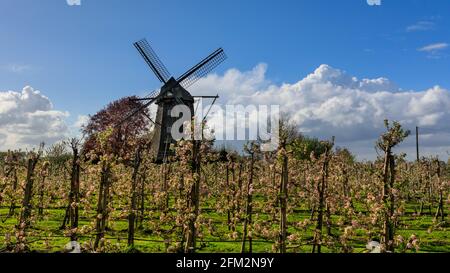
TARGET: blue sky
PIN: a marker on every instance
(81, 54)
(82, 57)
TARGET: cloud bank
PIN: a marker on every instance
(27, 118)
(329, 102)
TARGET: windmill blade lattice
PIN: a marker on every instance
(151, 99)
(154, 94)
(152, 60)
(202, 68)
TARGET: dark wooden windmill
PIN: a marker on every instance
(172, 93)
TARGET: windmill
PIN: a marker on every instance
(172, 93)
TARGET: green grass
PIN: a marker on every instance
(46, 236)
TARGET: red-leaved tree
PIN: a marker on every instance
(125, 135)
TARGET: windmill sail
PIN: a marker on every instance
(138, 110)
(152, 60)
(203, 68)
(150, 96)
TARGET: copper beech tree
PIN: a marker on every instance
(126, 129)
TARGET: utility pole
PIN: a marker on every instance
(417, 143)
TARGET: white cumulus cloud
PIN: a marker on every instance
(28, 118)
(330, 102)
(82, 121)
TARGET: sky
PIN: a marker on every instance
(339, 67)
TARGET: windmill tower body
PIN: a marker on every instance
(172, 94)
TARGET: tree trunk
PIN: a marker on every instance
(26, 203)
(328, 218)
(283, 204)
(41, 197)
(44, 174)
(440, 209)
(322, 187)
(165, 168)
(227, 181)
(66, 218)
(194, 194)
(388, 200)
(74, 196)
(133, 203)
(14, 189)
(24, 220)
(142, 197)
(392, 203)
(237, 193)
(248, 210)
(385, 196)
(102, 205)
